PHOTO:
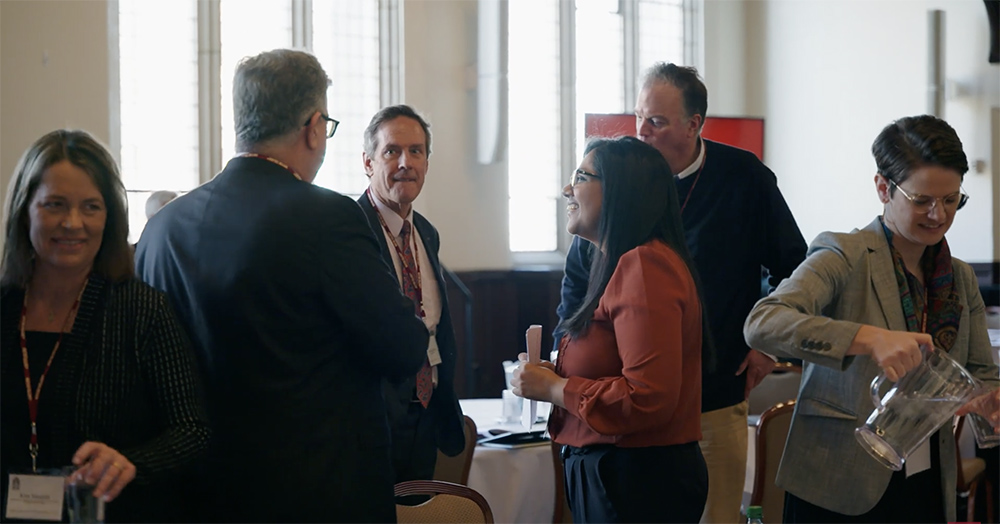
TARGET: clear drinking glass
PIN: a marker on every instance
(986, 435)
(81, 504)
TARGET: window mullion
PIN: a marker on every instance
(302, 24)
(629, 10)
(390, 35)
(209, 89)
(567, 109)
(694, 23)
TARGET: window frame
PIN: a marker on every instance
(209, 22)
(569, 134)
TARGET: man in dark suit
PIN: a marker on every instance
(424, 413)
(296, 316)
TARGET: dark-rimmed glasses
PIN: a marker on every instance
(331, 124)
(580, 176)
(924, 203)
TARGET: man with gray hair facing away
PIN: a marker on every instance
(296, 317)
(735, 223)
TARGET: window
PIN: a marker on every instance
(534, 137)
(567, 59)
(349, 51)
(175, 83)
(158, 96)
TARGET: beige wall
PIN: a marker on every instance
(838, 71)
(53, 73)
(466, 201)
(54, 63)
(825, 74)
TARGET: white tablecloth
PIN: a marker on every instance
(519, 483)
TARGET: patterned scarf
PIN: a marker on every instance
(937, 300)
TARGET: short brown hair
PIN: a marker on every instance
(114, 258)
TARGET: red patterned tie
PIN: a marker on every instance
(425, 384)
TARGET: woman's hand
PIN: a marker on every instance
(104, 467)
(896, 352)
(987, 405)
(537, 381)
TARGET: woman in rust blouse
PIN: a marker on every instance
(627, 383)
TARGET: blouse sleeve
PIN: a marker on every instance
(169, 368)
(645, 300)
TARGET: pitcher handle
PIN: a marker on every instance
(876, 399)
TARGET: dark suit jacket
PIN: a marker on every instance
(296, 319)
(444, 407)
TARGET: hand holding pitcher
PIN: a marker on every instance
(896, 352)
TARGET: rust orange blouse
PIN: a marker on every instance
(635, 374)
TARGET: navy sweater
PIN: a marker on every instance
(736, 223)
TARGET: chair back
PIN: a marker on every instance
(781, 385)
(772, 430)
(449, 503)
(456, 469)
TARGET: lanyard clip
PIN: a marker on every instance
(33, 449)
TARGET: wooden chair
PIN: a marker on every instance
(772, 430)
(562, 512)
(780, 385)
(456, 469)
(972, 472)
(450, 503)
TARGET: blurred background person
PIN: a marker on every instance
(424, 414)
(157, 200)
(626, 386)
(293, 311)
(112, 385)
(867, 302)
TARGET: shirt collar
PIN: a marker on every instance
(690, 170)
(392, 219)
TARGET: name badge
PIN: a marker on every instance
(433, 354)
(36, 497)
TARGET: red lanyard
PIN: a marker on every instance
(271, 160)
(411, 274)
(33, 398)
(696, 177)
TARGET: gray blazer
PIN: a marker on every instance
(848, 280)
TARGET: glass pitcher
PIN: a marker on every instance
(915, 407)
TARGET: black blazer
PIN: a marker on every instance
(448, 422)
(296, 319)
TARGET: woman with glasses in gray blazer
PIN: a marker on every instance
(868, 302)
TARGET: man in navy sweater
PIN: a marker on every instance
(736, 222)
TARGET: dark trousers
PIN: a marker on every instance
(914, 499)
(414, 447)
(652, 484)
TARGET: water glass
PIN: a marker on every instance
(512, 406)
(986, 435)
(81, 504)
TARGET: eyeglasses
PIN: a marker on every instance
(331, 124)
(924, 203)
(580, 176)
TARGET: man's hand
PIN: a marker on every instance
(757, 365)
